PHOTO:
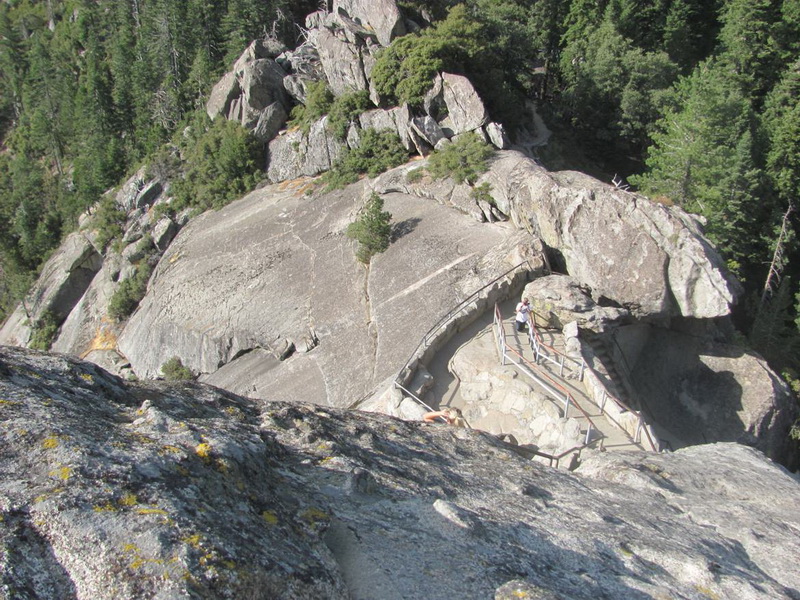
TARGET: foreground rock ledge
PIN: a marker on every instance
(111, 490)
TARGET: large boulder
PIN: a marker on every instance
(62, 282)
(465, 109)
(304, 66)
(280, 281)
(341, 61)
(559, 299)
(110, 491)
(253, 94)
(702, 391)
(295, 154)
(381, 16)
(649, 258)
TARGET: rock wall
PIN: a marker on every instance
(650, 259)
(111, 491)
(698, 391)
(266, 297)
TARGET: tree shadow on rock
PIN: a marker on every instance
(405, 227)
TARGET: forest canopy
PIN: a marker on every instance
(693, 102)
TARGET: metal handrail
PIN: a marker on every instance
(539, 375)
(413, 396)
(641, 425)
(536, 343)
(442, 322)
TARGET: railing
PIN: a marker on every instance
(542, 351)
(434, 330)
(545, 352)
(413, 396)
(450, 316)
(540, 377)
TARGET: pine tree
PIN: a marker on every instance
(372, 230)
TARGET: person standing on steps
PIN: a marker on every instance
(523, 314)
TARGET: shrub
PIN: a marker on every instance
(129, 293)
(483, 192)
(377, 152)
(221, 165)
(108, 221)
(319, 100)
(44, 331)
(372, 230)
(463, 160)
(344, 110)
(415, 175)
(174, 370)
(405, 70)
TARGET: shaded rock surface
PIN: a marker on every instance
(111, 490)
(699, 390)
(63, 280)
(558, 299)
(275, 270)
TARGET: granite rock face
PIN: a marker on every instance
(559, 299)
(294, 154)
(62, 282)
(253, 94)
(265, 297)
(648, 258)
(700, 390)
(381, 16)
(111, 490)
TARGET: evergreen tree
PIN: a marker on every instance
(749, 48)
(372, 230)
(703, 159)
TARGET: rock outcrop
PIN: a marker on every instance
(185, 491)
(295, 154)
(700, 390)
(559, 299)
(252, 94)
(381, 16)
(63, 281)
(648, 258)
(266, 297)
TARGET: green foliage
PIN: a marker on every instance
(372, 230)
(129, 293)
(463, 160)
(221, 164)
(615, 87)
(415, 175)
(405, 70)
(319, 100)
(108, 221)
(174, 370)
(703, 160)
(483, 193)
(377, 152)
(44, 331)
(345, 109)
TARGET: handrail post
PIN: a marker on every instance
(566, 406)
(561, 367)
(588, 435)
